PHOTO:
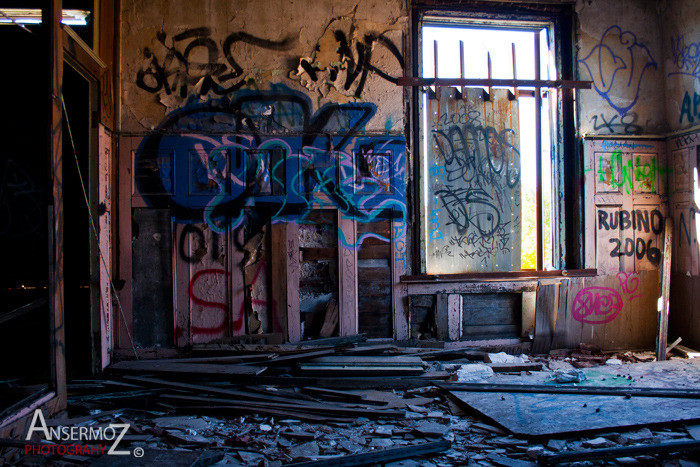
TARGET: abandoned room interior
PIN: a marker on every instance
(367, 232)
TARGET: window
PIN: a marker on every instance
(479, 147)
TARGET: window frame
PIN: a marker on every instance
(566, 161)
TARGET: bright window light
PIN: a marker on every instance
(33, 16)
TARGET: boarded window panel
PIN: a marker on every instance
(374, 279)
(152, 268)
(473, 183)
(491, 315)
(318, 275)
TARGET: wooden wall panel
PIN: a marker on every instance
(616, 311)
(625, 191)
(684, 314)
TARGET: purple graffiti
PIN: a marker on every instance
(596, 305)
(617, 65)
(629, 282)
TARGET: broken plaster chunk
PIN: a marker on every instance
(556, 444)
(304, 451)
(431, 429)
(598, 443)
(613, 361)
(182, 423)
(474, 372)
(383, 430)
(503, 357)
(644, 434)
(572, 376)
(381, 443)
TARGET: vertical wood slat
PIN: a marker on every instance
(399, 291)
(236, 278)
(105, 224)
(293, 315)
(662, 330)
(284, 260)
(347, 271)
(538, 159)
(448, 315)
(51, 18)
(546, 313)
(454, 317)
(123, 321)
(182, 318)
(105, 45)
(441, 321)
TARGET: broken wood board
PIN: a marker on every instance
(330, 321)
(160, 366)
(379, 456)
(368, 382)
(363, 360)
(618, 452)
(356, 365)
(319, 408)
(613, 312)
(570, 389)
(686, 352)
(547, 414)
(336, 341)
(515, 367)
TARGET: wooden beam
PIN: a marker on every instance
(449, 316)
(81, 56)
(499, 275)
(284, 260)
(51, 18)
(617, 452)
(347, 275)
(106, 45)
(399, 290)
(539, 225)
(662, 334)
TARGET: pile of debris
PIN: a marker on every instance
(343, 401)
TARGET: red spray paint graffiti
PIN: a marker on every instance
(596, 305)
(235, 324)
(629, 283)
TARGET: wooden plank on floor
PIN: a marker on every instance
(547, 414)
(366, 360)
(380, 456)
(160, 366)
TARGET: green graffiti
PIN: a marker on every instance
(643, 174)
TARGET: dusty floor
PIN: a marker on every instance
(166, 433)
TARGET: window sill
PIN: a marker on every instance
(496, 276)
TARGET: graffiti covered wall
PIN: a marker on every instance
(267, 138)
(619, 50)
(681, 47)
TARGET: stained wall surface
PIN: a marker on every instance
(273, 135)
(267, 131)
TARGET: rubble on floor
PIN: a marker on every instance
(349, 402)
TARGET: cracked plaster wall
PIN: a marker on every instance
(150, 29)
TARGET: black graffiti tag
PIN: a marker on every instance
(179, 71)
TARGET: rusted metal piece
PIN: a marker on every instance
(410, 81)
